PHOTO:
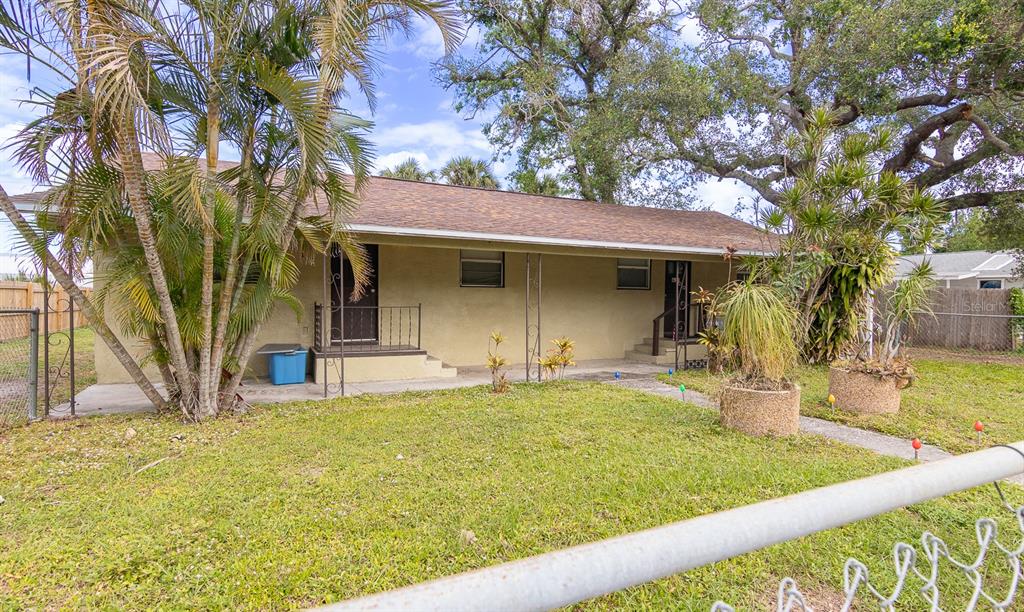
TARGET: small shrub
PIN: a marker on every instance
(559, 357)
(710, 337)
(496, 363)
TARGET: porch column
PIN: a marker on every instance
(532, 294)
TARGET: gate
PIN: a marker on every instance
(19, 365)
(37, 357)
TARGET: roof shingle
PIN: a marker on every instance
(440, 209)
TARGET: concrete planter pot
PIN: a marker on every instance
(761, 413)
(863, 393)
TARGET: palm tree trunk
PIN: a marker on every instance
(96, 321)
(227, 290)
(135, 187)
(248, 341)
(206, 406)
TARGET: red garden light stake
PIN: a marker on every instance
(980, 429)
(917, 449)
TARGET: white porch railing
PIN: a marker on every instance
(575, 574)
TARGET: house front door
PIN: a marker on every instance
(360, 316)
(677, 292)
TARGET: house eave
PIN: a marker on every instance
(410, 232)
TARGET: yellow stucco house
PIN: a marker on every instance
(451, 264)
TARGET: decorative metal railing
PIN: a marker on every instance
(689, 322)
(568, 576)
(368, 329)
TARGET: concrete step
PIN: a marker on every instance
(664, 348)
(438, 368)
(646, 357)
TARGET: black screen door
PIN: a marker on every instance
(360, 316)
(677, 270)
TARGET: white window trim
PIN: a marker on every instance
(985, 280)
(500, 261)
(620, 266)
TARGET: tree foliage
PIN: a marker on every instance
(571, 82)
(198, 253)
(607, 89)
(837, 222)
(469, 172)
(528, 181)
(410, 170)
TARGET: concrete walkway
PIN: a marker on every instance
(126, 398)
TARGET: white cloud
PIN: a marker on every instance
(390, 160)
(432, 143)
(425, 41)
(12, 178)
(688, 29)
(724, 196)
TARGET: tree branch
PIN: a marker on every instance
(782, 56)
(979, 199)
(913, 141)
(986, 131)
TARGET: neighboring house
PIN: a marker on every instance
(967, 269)
(454, 263)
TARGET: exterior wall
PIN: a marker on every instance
(367, 368)
(283, 326)
(579, 300)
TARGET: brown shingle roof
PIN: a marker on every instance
(408, 207)
(439, 208)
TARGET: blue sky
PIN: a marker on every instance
(414, 118)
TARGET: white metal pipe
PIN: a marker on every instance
(574, 574)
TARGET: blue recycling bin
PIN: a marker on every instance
(287, 368)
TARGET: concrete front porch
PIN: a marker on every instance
(119, 398)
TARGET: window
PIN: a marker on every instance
(482, 268)
(634, 274)
(990, 283)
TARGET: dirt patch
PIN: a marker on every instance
(940, 354)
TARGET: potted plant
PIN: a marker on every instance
(872, 381)
(760, 399)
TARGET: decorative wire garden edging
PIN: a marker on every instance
(857, 580)
(568, 576)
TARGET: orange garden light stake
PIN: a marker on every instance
(917, 449)
(979, 427)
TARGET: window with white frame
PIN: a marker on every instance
(633, 274)
(481, 268)
(990, 283)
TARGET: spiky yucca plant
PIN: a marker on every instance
(837, 221)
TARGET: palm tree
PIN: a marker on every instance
(409, 170)
(528, 181)
(266, 76)
(469, 172)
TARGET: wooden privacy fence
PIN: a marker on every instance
(28, 295)
(978, 319)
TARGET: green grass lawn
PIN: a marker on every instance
(297, 504)
(940, 407)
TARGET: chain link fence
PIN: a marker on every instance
(967, 332)
(19, 366)
(992, 572)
